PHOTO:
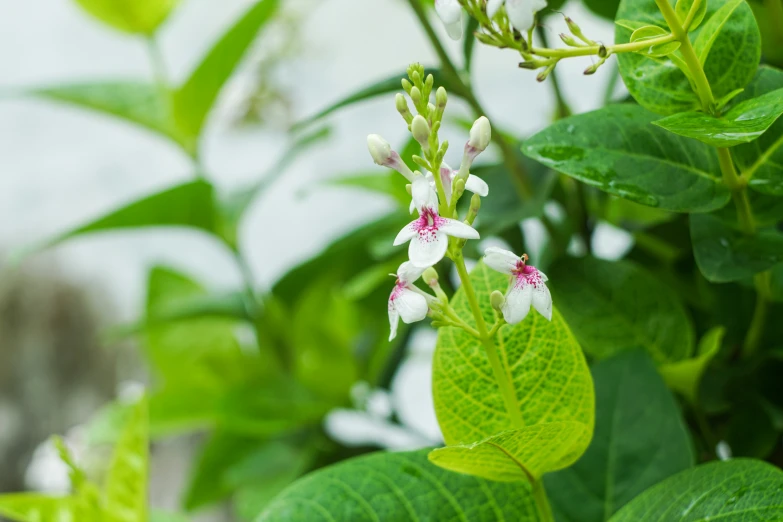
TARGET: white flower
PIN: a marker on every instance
(382, 154)
(480, 134)
(450, 13)
(429, 233)
(527, 285)
(521, 13)
(474, 183)
(406, 301)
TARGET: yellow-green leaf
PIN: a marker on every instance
(126, 484)
(552, 423)
(131, 16)
(684, 376)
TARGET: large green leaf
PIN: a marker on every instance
(194, 99)
(762, 161)
(743, 123)
(615, 306)
(552, 388)
(728, 44)
(132, 16)
(398, 487)
(724, 253)
(189, 205)
(739, 490)
(617, 150)
(135, 102)
(640, 439)
(126, 482)
(34, 507)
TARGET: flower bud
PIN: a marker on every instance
(402, 108)
(602, 52)
(458, 189)
(430, 276)
(415, 96)
(430, 108)
(441, 98)
(421, 130)
(497, 300)
(406, 85)
(380, 150)
(480, 134)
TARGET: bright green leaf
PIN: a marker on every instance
(683, 7)
(553, 390)
(743, 123)
(132, 16)
(648, 32)
(633, 448)
(126, 483)
(34, 507)
(617, 306)
(135, 102)
(194, 99)
(738, 490)
(604, 8)
(684, 376)
(398, 487)
(761, 161)
(724, 253)
(617, 150)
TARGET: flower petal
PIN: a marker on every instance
(408, 273)
(477, 185)
(500, 259)
(455, 228)
(543, 276)
(411, 306)
(542, 300)
(428, 247)
(517, 305)
(449, 11)
(521, 13)
(493, 6)
(406, 234)
(446, 176)
(454, 30)
(423, 195)
(394, 318)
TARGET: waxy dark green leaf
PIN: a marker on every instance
(398, 487)
(743, 123)
(553, 423)
(633, 448)
(724, 253)
(617, 150)
(761, 161)
(618, 306)
(728, 42)
(739, 490)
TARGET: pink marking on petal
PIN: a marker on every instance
(428, 224)
(526, 274)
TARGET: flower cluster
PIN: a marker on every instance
(521, 14)
(438, 232)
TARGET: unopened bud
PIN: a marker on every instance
(602, 52)
(568, 40)
(441, 98)
(480, 134)
(415, 77)
(415, 96)
(577, 31)
(529, 65)
(497, 300)
(458, 189)
(475, 206)
(430, 276)
(429, 82)
(402, 108)
(431, 108)
(421, 130)
(380, 150)
(545, 73)
(406, 85)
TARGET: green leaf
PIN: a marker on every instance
(469, 42)
(743, 123)
(135, 102)
(603, 8)
(386, 86)
(751, 431)
(761, 161)
(162, 516)
(724, 254)
(551, 383)
(728, 44)
(386, 183)
(649, 32)
(398, 487)
(131, 16)
(617, 150)
(683, 7)
(738, 490)
(34, 507)
(617, 306)
(633, 448)
(126, 483)
(684, 376)
(193, 100)
(188, 205)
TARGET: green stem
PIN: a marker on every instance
(593, 50)
(563, 109)
(542, 502)
(501, 375)
(760, 313)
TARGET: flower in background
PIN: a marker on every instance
(407, 302)
(450, 13)
(429, 234)
(527, 286)
(521, 13)
(474, 183)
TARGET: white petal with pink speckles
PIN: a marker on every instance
(407, 233)
(428, 247)
(542, 300)
(518, 301)
(501, 260)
